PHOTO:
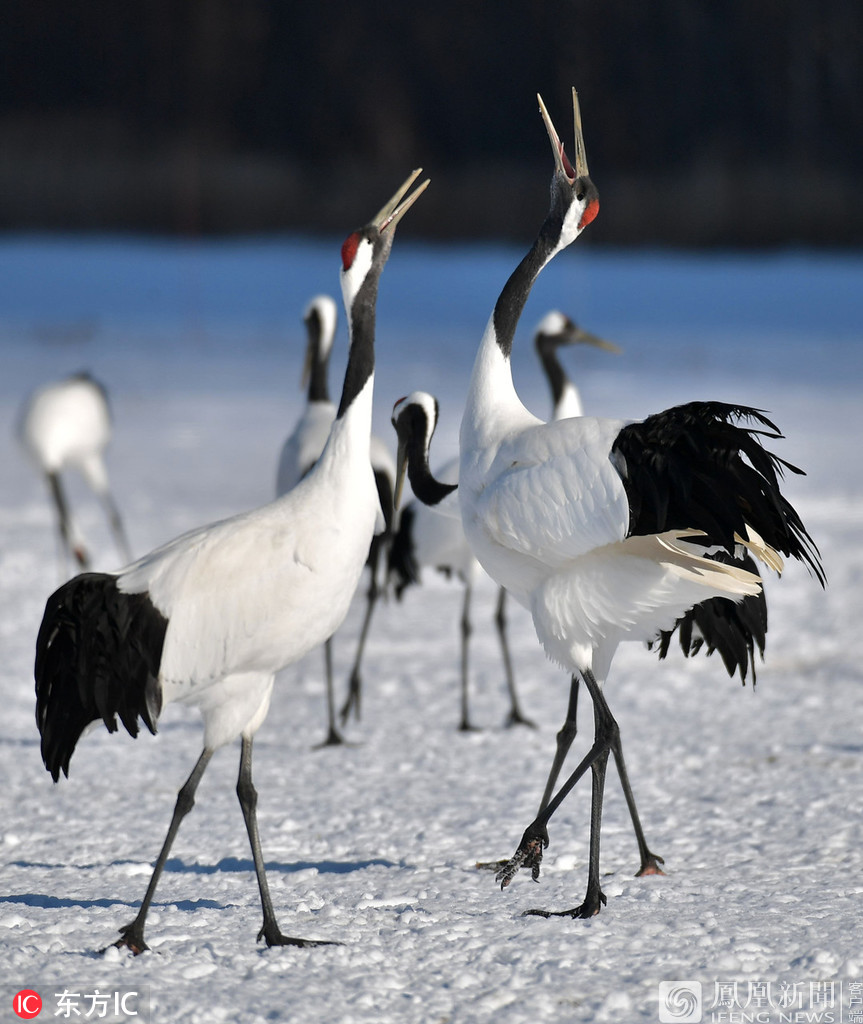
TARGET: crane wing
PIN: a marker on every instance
(553, 493)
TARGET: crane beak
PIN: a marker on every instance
(582, 337)
(561, 161)
(388, 217)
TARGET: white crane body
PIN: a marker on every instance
(209, 618)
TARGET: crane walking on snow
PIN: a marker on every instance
(607, 530)
(414, 419)
(210, 618)
(68, 424)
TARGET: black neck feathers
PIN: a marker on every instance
(509, 306)
(547, 351)
(427, 489)
(361, 316)
(414, 432)
(511, 301)
(320, 359)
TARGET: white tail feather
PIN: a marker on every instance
(755, 543)
(689, 562)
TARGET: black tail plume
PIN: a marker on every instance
(736, 629)
(97, 656)
(695, 466)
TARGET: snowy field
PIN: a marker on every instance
(753, 797)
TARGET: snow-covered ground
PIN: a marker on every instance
(753, 797)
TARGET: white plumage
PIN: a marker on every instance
(209, 618)
(427, 538)
(608, 531)
(67, 425)
(299, 453)
(306, 441)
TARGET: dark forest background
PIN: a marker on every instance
(734, 122)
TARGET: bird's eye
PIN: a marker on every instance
(580, 195)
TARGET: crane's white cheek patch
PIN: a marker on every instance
(356, 273)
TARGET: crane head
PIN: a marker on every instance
(571, 185)
(381, 228)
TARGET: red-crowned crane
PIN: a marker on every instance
(607, 530)
(425, 538)
(208, 619)
(415, 419)
(67, 424)
(300, 452)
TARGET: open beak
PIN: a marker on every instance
(396, 208)
(561, 161)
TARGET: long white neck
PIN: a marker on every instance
(350, 434)
(493, 408)
(568, 404)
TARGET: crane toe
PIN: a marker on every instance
(594, 900)
(650, 865)
(528, 855)
(273, 937)
(131, 938)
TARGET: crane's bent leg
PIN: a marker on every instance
(132, 935)
(516, 716)
(334, 737)
(248, 796)
(565, 737)
(607, 734)
(649, 861)
(535, 838)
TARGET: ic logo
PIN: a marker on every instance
(680, 1002)
(27, 1004)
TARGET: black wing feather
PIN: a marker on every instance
(703, 466)
(696, 467)
(97, 656)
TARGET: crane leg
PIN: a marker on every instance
(72, 544)
(248, 797)
(606, 734)
(116, 523)
(466, 630)
(516, 716)
(649, 861)
(132, 935)
(565, 736)
(352, 704)
(535, 838)
(334, 737)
